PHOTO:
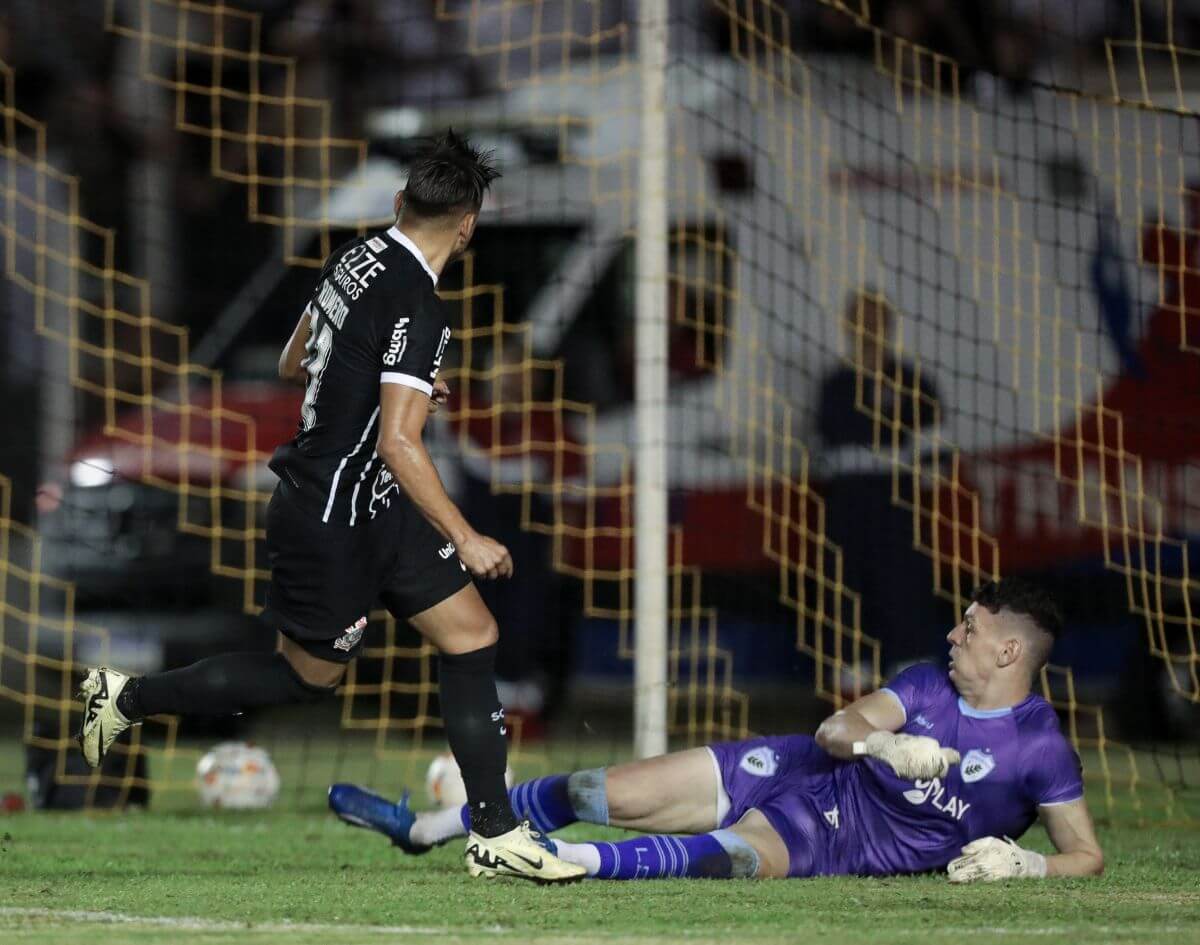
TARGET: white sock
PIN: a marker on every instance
(437, 826)
(581, 854)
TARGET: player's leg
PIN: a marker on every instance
(676, 793)
(673, 792)
(431, 589)
(749, 849)
(680, 792)
(774, 803)
(226, 684)
(698, 792)
(317, 583)
(684, 792)
(497, 846)
(233, 682)
(462, 629)
(691, 791)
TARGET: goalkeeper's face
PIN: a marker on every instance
(974, 648)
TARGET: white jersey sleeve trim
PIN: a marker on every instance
(1060, 803)
(898, 702)
(407, 380)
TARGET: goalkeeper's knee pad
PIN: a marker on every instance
(743, 858)
(587, 792)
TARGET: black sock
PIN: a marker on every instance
(475, 729)
(221, 685)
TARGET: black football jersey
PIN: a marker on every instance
(374, 320)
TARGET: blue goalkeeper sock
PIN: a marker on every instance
(721, 854)
(543, 802)
(549, 803)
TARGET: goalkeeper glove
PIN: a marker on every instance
(912, 757)
(990, 858)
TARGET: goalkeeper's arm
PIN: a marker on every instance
(1074, 837)
(875, 712)
(868, 727)
(1070, 827)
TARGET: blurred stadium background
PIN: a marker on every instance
(933, 308)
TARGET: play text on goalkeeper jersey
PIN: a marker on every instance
(374, 319)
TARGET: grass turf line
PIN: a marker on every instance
(299, 876)
(296, 875)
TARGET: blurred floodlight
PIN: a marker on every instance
(395, 123)
(92, 471)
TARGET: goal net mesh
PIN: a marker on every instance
(929, 325)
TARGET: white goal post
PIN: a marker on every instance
(650, 458)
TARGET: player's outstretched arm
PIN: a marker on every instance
(867, 728)
(402, 414)
(1074, 837)
(989, 859)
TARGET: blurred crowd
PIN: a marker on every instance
(116, 131)
(101, 75)
(83, 78)
(1012, 40)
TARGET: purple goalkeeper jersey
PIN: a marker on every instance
(1013, 761)
(838, 817)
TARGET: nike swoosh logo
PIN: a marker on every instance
(537, 865)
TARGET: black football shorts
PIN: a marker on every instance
(326, 577)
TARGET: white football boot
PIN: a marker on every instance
(522, 853)
(102, 720)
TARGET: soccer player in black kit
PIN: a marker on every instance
(360, 515)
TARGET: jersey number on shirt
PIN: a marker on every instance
(319, 347)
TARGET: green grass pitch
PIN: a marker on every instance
(296, 875)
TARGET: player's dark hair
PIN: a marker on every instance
(1026, 599)
(449, 176)
(1021, 597)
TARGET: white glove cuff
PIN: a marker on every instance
(874, 745)
(1036, 863)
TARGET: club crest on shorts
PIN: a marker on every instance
(976, 765)
(381, 489)
(350, 637)
(761, 762)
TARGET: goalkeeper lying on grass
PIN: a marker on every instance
(935, 771)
